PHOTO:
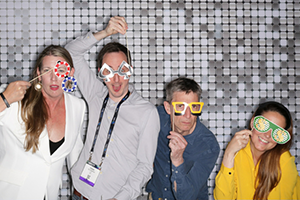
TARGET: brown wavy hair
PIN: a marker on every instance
(269, 171)
(34, 109)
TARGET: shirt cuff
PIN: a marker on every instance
(226, 171)
(90, 38)
(177, 173)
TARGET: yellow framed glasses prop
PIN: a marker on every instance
(263, 125)
(180, 108)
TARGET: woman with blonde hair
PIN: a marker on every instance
(40, 125)
(257, 163)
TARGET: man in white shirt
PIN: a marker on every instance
(117, 159)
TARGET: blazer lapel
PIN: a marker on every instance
(44, 145)
(62, 150)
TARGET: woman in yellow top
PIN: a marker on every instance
(257, 163)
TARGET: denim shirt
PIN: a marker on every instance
(191, 176)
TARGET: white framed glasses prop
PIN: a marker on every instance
(62, 69)
(106, 72)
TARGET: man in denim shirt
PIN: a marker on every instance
(187, 151)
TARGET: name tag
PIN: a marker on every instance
(90, 173)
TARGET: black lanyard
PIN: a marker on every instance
(112, 124)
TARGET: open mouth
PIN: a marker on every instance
(54, 87)
(116, 88)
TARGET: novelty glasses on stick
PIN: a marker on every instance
(61, 70)
(263, 125)
(180, 108)
(106, 72)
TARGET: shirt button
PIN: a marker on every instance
(166, 189)
(176, 172)
(168, 161)
(167, 175)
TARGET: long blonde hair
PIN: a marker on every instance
(34, 109)
(269, 171)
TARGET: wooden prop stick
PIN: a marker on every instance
(127, 49)
(40, 75)
(173, 120)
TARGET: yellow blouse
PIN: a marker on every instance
(238, 182)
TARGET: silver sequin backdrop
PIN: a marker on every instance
(240, 52)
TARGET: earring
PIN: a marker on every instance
(69, 84)
(38, 86)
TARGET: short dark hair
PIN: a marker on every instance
(182, 84)
(110, 48)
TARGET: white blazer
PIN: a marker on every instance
(33, 176)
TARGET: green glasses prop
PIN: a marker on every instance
(263, 125)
